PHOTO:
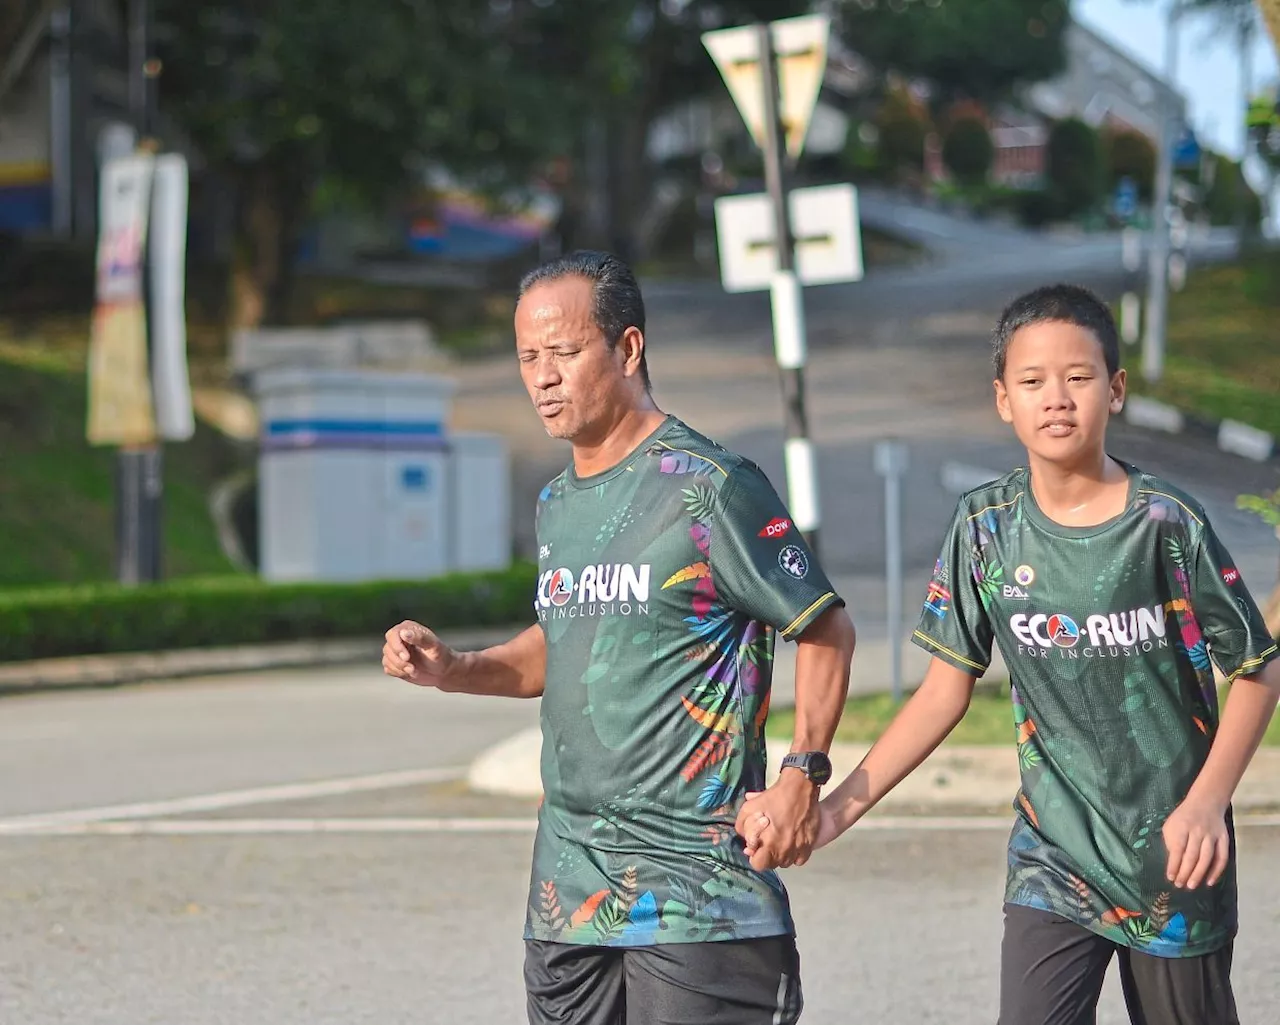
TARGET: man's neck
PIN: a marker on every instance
(1080, 495)
(618, 441)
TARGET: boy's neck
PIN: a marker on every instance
(1081, 494)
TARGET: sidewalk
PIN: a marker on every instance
(955, 779)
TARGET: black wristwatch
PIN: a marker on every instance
(814, 764)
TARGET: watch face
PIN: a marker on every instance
(819, 768)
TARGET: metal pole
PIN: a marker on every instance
(891, 459)
(893, 576)
(1245, 42)
(788, 312)
(61, 133)
(1158, 272)
(1131, 302)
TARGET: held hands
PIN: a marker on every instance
(780, 825)
(414, 653)
(1198, 843)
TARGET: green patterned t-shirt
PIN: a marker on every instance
(1110, 634)
(663, 583)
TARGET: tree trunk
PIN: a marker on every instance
(270, 203)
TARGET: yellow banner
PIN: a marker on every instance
(120, 407)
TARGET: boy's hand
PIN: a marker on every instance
(1198, 843)
(827, 829)
(757, 824)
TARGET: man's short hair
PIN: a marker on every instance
(1063, 304)
(618, 303)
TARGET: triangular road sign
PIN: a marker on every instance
(800, 46)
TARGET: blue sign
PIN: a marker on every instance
(1126, 203)
(415, 478)
(1186, 150)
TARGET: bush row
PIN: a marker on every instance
(215, 612)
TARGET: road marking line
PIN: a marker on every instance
(355, 826)
(216, 827)
(233, 799)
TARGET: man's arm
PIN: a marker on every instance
(515, 669)
(1196, 833)
(924, 722)
(824, 651)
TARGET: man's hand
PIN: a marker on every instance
(414, 653)
(780, 825)
(1198, 843)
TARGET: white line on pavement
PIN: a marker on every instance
(217, 827)
(243, 827)
(232, 799)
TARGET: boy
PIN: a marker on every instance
(1110, 598)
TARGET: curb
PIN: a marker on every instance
(82, 672)
(1229, 435)
(954, 780)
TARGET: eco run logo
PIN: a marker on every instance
(1114, 635)
(619, 589)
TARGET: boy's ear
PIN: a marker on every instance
(1002, 401)
(1119, 388)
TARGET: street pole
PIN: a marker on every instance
(140, 468)
(891, 459)
(787, 300)
(1158, 271)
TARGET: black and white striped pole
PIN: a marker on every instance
(787, 301)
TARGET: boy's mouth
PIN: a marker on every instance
(1058, 428)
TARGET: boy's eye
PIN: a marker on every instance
(1030, 381)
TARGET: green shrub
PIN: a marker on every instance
(968, 151)
(217, 611)
(1130, 154)
(1075, 170)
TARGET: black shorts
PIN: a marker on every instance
(1051, 973)
(728, 982)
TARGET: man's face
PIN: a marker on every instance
(1056, 391)
(576, 381)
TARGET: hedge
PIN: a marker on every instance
(215, 612)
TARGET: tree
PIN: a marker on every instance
(277, 94)
(641, 57)
(976, 48)
(1130, 154)
(968, 151)
(903, 125)
(1074, 166)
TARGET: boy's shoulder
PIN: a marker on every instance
(1165, 500)
(994, 497)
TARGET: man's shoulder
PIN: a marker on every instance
(681, 451)
(554, 488)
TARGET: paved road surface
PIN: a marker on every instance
(227, 919)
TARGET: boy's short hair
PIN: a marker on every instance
(1066, 304)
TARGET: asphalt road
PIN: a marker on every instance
(337, 906)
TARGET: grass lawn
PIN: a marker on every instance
(989, 720)
(57, 511)
(1223, 359)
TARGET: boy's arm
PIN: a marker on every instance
(926, 719)
(1239, 642)
(1196, 833)
(924, 722)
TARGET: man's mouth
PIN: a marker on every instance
(549, 407)
(1058, 428)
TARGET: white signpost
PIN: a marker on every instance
(774, 73)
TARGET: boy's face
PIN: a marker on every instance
(1057, 393)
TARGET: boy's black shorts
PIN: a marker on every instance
(728, 982)
(1051, 973)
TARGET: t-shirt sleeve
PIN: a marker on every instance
(954, 624)
(759, 562)
(1233, 627)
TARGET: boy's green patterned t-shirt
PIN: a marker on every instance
(663, 583)
(1110, 634)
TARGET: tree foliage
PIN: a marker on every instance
(968, 151)
(977, 48)
(1074, 166)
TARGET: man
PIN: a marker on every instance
(667, 568)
